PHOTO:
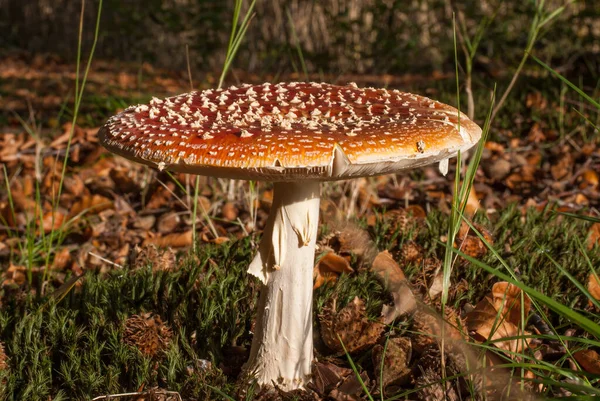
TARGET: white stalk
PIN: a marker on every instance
(282, 347)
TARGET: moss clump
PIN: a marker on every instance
(79, 348)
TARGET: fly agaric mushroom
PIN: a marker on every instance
(296, 135)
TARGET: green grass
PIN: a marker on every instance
(74, 349)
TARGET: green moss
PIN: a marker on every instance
(75, 349)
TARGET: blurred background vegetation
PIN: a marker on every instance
(333, 36)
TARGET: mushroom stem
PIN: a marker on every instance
(282, 347)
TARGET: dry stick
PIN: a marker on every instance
(468, 78)
(534, 33)
(512, 83)
(189, 69)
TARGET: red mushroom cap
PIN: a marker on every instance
(290, 131)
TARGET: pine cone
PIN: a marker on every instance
(3, 358)
(412, 252)
(469, 243)
(430, 366)
(147, 333)
(432, 387)
(351, 324)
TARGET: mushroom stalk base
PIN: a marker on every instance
(282, 347)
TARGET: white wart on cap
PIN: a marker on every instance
(290, 131)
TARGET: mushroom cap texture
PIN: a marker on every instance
(290, 132)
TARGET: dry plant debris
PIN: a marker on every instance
(147, 333)
(392, 363)
(329, 267)
(594, 286)
(500, 316)
(3, 358)
(348, 328)
(112, 214)
(589, 360)
(392, 277)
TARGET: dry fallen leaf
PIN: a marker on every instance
(175, 240)
(61, 259)
(350, 389)
(594, 286)
(593, 235)
(507, 299)
(52, 221)
(472, 204)
(91, 204)
(329, 267)
(327, 376)
(388, 272)
(498, 317)
(485, 324)
(589, 360)
(168, 222)
(588, 179)
(230, 211)
(437, 285)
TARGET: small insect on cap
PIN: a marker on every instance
(290, 131)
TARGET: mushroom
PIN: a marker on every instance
(295, 135)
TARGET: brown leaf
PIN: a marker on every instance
(562, 168)
(62, 258)
(497, 168)
(594, 286)
(329, 267)
(487, 325)
(334, 263)
(230, 211)
(437, 285)
(350, 389)
(144, 222)
(326, 376)
(593, 235)
(472, 204)
(588, 179)
(90, 204)
(52, 221)
(499, 317)
(168, 222)
(507, 300)
(388, 272)
(15, 274)
(123, 180)
(175, 240)
(589, 360)
(220, 240)
(161, 196)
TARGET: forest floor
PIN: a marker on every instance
(103, 291)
